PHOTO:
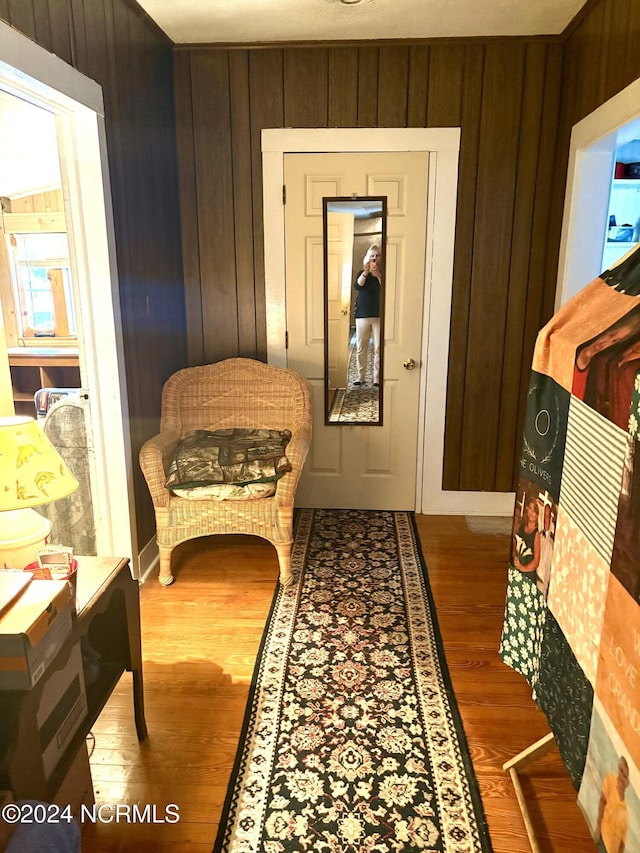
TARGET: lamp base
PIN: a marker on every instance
(22, 533)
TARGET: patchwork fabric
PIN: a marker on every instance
(592, 476)
(577, 593)
(523, 627)
(565, 696)
(544, 433)
(572, 614)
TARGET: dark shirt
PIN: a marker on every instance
(368, 299)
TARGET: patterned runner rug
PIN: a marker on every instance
(352, 740)
(356, 404)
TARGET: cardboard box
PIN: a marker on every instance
(32, 632)
(62, 708)
(76, 789)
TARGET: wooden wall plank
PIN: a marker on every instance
(545, 244)
(214, 174)
(185, 129)
(79, 37)
(22, 17)
(95, 33)
(243, 202)
(60, 27)
(604, 38)
(446, 70)
(367, 86)
(266, 97)
(343, 94)
(306, 87)
(42, 23)
(463, 261)
(418, 86)
(125, 191)
(631, 53)
(5, 13)
(539, 305)
(518, 289)
(393, 86)
(592, 43)
(618, 14)
(136, 111)
(494, 210)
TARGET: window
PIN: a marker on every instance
(36, 283)
(41, 281)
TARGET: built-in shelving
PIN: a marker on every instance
(624, 205)
(33, 368)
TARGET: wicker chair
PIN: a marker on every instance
(238, 392)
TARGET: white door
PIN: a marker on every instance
(368, 467)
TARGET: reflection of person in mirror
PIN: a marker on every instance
(367, 315)
(613, 818)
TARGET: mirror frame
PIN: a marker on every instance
(326, 201)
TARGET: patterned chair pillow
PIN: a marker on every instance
(234, 458)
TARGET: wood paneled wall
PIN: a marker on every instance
(504, 94)
(515, 101)
(113, 42)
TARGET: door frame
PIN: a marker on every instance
(590, 169)
(32, 72)
(443, 147)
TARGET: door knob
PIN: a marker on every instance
(408, 364)
(344, 312)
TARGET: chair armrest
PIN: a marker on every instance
(155, 458)
(296, 453)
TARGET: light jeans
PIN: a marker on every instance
(365, 326)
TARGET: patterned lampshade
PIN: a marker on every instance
(31, 470)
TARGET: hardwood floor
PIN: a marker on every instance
(200, 639)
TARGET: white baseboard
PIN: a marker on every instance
(438, 502)
(148, 560)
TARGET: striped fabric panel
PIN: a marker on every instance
(592, 475)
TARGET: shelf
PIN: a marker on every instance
(626, 183)
(33, 368)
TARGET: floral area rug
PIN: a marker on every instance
(356, 404)
(352, 740)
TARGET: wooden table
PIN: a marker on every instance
(108, 618)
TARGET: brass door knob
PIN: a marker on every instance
(408, 364)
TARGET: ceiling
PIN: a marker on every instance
(252, 21)
(28, 150)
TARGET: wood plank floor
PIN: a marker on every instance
(200, 639)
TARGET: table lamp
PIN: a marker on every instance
(32, 473)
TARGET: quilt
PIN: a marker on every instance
(572, 611)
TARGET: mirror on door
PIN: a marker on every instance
(354, 231)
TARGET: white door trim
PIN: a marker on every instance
(30, 70)
(443, 144)
(594, 140)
